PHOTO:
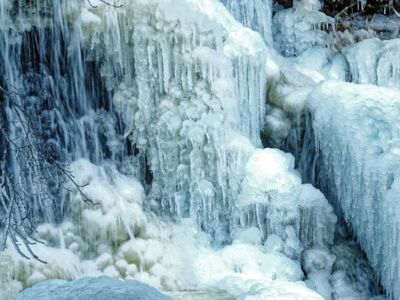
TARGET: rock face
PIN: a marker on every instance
(92, 288)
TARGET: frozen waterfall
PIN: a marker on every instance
(136, 131)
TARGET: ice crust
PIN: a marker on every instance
(301, 27)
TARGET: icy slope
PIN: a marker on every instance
(357, 139)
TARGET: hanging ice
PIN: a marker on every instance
(198, 85)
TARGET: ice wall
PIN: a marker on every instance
(374, 61)
(357, 137)
(161, 88)
(290, 126)
(255, 14)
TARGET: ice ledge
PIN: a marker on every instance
(357, 137)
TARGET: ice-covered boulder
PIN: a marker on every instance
(92, 288)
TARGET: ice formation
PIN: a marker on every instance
(193, 96)
(118, 239)
(374, 61)
(273, 198)
(333, 128)
(159, 106)
(355, 129)
(301, 27)
(255, 14)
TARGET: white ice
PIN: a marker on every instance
(358, 138)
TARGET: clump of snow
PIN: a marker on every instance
(317, 259)
(273, 198)
(331, 64)
(276, 127)
(117, 214)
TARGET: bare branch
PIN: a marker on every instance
(37, 161)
